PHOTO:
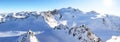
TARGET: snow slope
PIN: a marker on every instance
(56, 25)
(114, 39)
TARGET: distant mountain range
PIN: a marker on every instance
(60, 25)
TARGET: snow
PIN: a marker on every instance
(56, 24)
(84, 34)
(2, 17)
(114, 39)
(16, 33)
(27, 37)
(50, 19)
(17, 16)
(64, 22)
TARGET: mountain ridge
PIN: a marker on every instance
(62, 19)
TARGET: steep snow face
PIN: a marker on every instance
(74, 16)
(27, 37)
(48, 17)
(114, 39)
(113, 22)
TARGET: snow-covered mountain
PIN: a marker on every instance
(84, 34)
(62, 25)
(28, 37)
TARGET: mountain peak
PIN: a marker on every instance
(28, 37)
(84, 34)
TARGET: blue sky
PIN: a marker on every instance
(101, 6)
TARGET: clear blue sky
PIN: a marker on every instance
(101, 6)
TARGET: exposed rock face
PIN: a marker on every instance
(84, 34)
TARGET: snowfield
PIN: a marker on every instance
(59, 25)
